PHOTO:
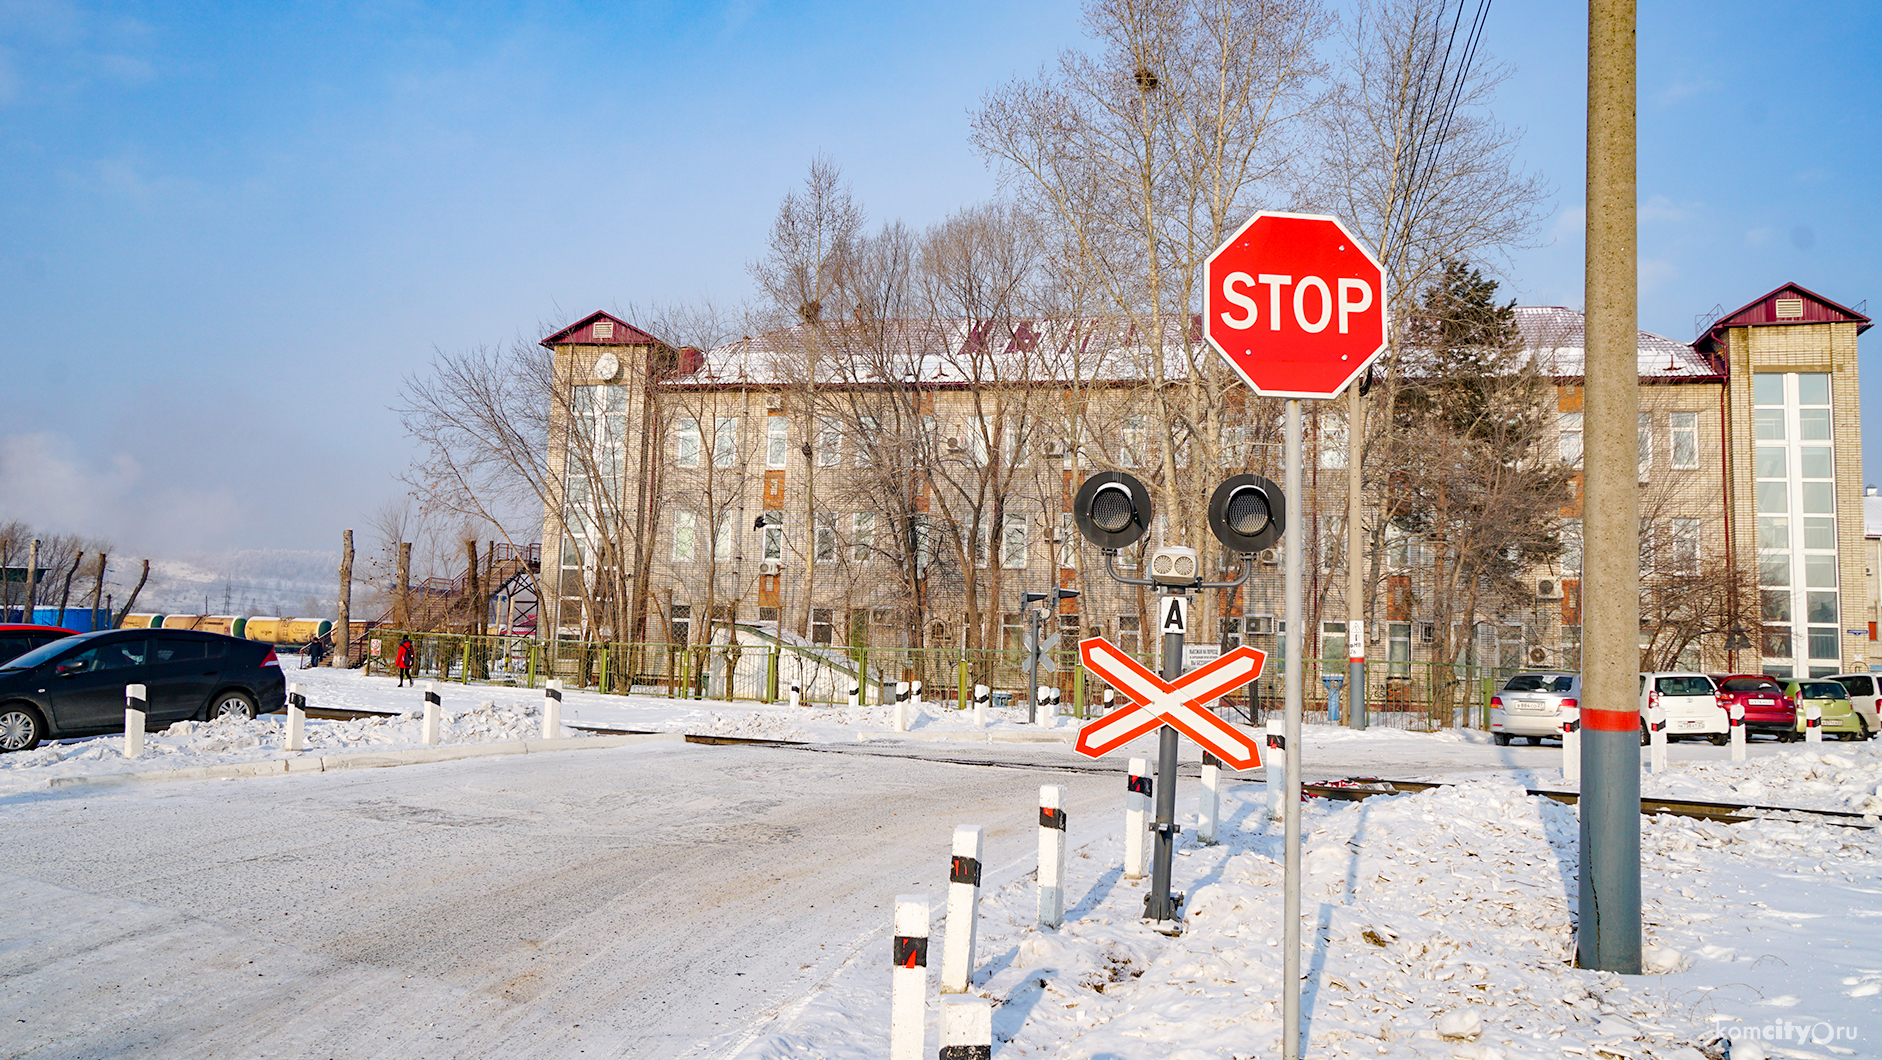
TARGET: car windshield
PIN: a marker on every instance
(47, 651)
(1750, 684)
(1540, 683)
(1822, 690)
(1683, 686)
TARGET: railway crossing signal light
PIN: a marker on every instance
(1247, 513)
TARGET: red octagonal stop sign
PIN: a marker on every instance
(1296, 304)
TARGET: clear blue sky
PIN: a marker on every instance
(227, 231)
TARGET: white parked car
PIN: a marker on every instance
(1690, 704)
(1531, 704)
(1862, 696)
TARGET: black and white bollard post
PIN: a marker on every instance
(1042, 705)
(552, 709)
(1571, 745)
(1656, 735)
(1058, 701)
(134, 715)
(1051, 855)
(914, 698)
(434, 708)
(908, 999)
(1813, 722)
(901, 706)
(957, 949)
(856, 692)
(1738, 732)
(797, 694)
(1209, 801)
(1110, 699)
(1136, 817)
(966, 1029)
(297, 718)
(983, 698)
(1275, 762)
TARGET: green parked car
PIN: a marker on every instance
(1833, 700)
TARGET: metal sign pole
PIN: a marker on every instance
(1290, 902)
(1032, 665)
(1158, 904)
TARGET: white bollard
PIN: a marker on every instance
(134, 715)
(1738, 732)
(297, 718)
(433, 709)
(966, 1029)
(1042, 701)
(552, 709)
(1136, 817)
(1571, 745)
(1813, 722)
(957, 950)
(983, 698)
(1051, 855)
(1656, 735)
(914, 698)
(1110, 699)
(797, 695)
(856, 695)
(1275, 763)
(908, 1001)
(1209, 805)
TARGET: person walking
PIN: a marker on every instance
(403, 660)
(316, 651)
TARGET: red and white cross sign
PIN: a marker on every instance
(1179, 703)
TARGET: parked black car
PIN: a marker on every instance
(75, 686)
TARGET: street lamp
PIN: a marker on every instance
(1113, 510)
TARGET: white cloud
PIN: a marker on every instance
(1661, 208)
(1654, 272)
(1570, 224)
(42, 482)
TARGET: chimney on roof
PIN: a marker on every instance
(1871, 491)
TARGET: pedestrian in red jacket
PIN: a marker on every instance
(403, 660)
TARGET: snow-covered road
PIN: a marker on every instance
(628, 902)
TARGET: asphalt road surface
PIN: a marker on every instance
(621, 903)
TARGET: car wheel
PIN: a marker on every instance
(1502, 738)
(20, 727)
(1720, 739)
(232, 704)
(1862, 729)
(1535, 741)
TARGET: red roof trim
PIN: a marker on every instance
(582, 333)
(1753, 314)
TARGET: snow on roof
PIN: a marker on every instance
(1872, 516)
(1555, 336)
(955, 352)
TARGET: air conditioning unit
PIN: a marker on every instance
(1548, 589)
(1261, 625)
(774, 401)
(1538, 656)
(770, 567)
(1271, 556)
(955, 444)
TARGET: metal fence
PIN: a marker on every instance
(762, 668)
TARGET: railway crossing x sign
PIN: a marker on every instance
(1179, 703)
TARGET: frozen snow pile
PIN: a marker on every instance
(1843, 776)
(187, 744)
(1439, 925)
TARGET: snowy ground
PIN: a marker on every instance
(1445, 911)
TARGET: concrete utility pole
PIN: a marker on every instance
(1355, 569)
(32, 582)
(1609, 937)
(342, 625)
(403, 600)
(1291, 690)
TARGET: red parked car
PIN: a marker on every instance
(1767, 708)
(17, 640)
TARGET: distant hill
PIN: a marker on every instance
(259, 581)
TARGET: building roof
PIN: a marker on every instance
(1556, 337)
(584, 333)
(1803, 307)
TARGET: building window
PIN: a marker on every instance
(1570, 536)
(725, 442)
(1643, 440)
(821, 625)
(1068, 540)
(1683, 440)
(680, 623)
(1131, 449)
(1795, 496)
(867, 431)
(829, 442)
(774, 535)
(1683, 542)
(685, 532)
(1332, 442)
(722, 531)
(1012, 631)
(767, 614)
(1013, 543)
(777, 441)
(1568, 426)
(1571, 647)
(686, 443)
(1130, 638)
(1398, 647)
(862, 536)
(826, 537)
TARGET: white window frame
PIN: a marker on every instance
(862, 536)
(1015, 542)
(1682, 426)
(1568, 427)
(685, 536)
(777, 441)
(725, 442)
(686, 443)
(829, 442)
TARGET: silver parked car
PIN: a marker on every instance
(1531, 704)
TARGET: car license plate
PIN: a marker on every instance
(1761, 703)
